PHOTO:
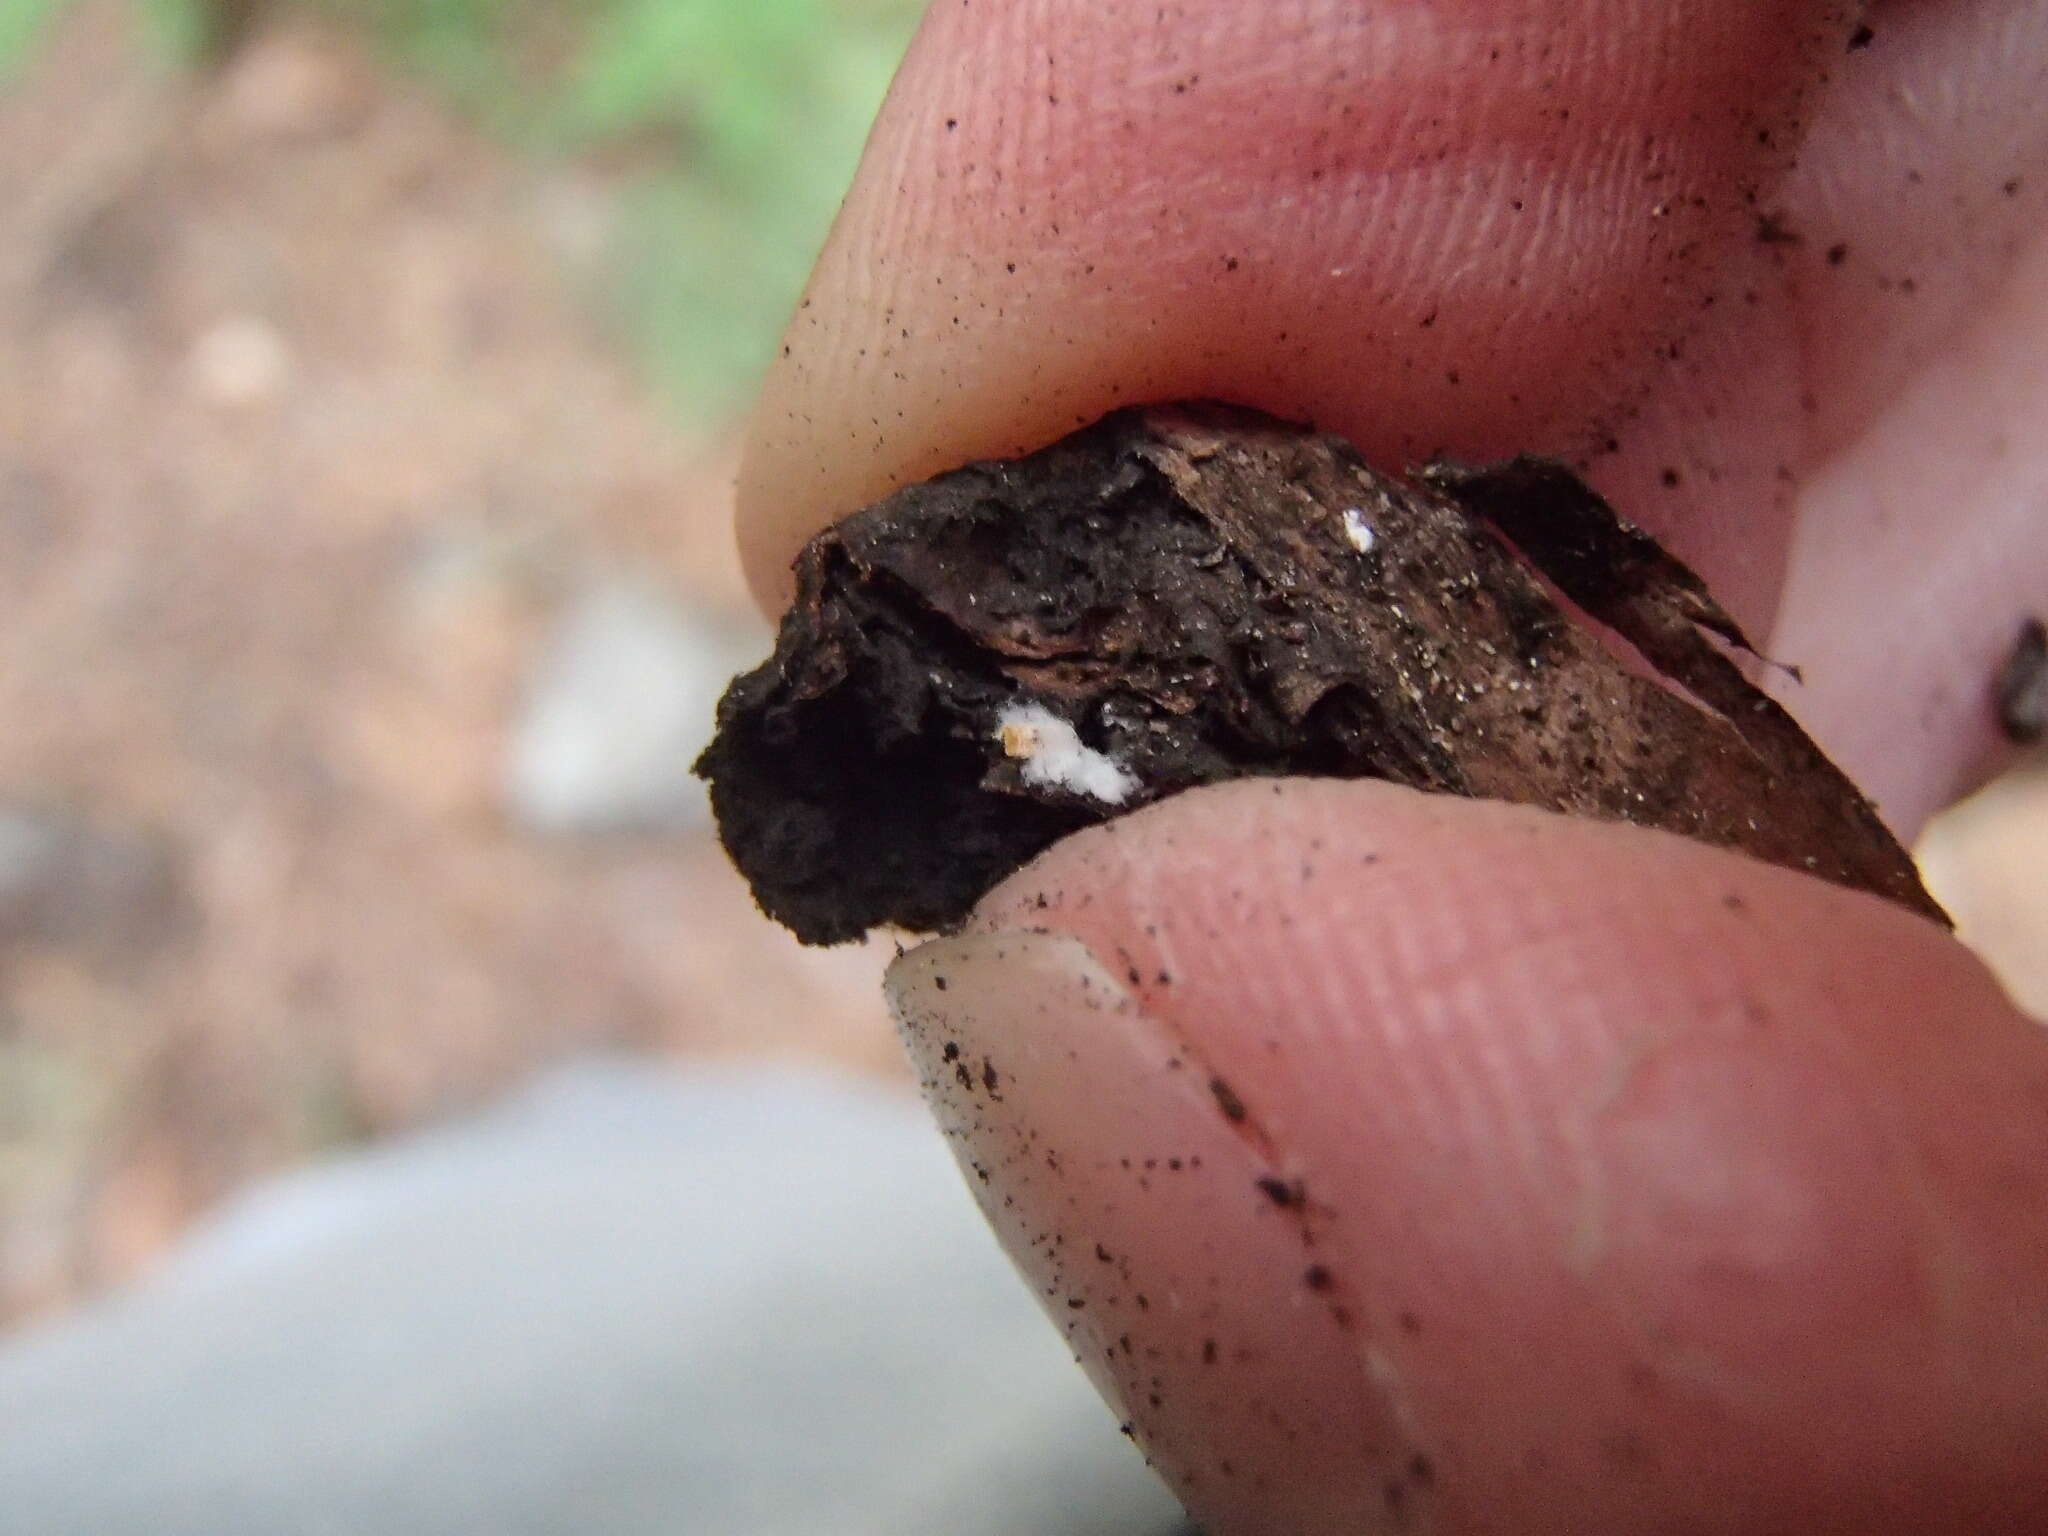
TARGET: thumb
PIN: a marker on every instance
(1427, 227)
(1395, 1162)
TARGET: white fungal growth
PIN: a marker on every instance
(1358, 531)
(1053, 756)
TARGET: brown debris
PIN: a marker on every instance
(1204, 593)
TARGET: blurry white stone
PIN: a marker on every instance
(239, 362)
(618, 708)
(576, 214)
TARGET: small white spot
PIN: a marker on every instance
(239, 362)
(1054, 757)
(1358, 531)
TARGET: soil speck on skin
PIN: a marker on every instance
(2022, 687)
(1281, 1192)
(1862, 37)
(1227, 1100)
(1772, 229)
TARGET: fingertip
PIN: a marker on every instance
(1428, 228)
(1596, 1172)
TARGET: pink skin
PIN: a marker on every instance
(1362, 165)
(1710, 1216)
(1639, 1208)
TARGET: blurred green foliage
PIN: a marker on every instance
(755, 111)
(21, 23)
(179, 27)
(733, 124)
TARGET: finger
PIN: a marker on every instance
(1920, 548)
(1404, 1163)
(1918, 193)
(1428, 227)
(1920, 288)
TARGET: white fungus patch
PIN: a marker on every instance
(1358, 532)
(1053, 757)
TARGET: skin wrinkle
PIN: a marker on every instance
(1564, 990)
(1473, 1098)
(1540, 1153)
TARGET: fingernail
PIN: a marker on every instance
(1162, 1231)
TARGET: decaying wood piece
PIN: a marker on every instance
(977, 666)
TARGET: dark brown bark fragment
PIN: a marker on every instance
(1185, 587)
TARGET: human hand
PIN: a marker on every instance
(1399, 1162)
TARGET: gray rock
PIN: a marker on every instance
(745, 1303)
(618, 708)
(112, 893)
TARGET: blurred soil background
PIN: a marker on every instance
(368, 372)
